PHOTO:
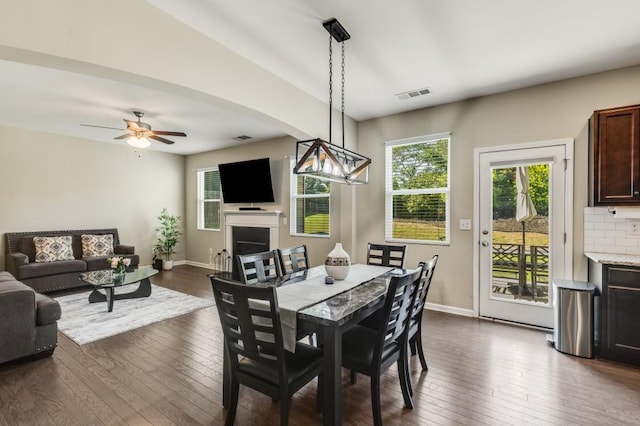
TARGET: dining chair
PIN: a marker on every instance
(414, 334)
(258, 267)
(250, 322)
(386, 255)
(371, 352)
(415, 324)
(293, 259)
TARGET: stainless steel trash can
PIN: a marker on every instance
(573, 310)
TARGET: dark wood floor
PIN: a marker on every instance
(170, 373)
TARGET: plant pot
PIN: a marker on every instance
(338, 263)
(167, 265)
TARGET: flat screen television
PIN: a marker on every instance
(246, 181)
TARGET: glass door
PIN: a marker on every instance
(522, 231)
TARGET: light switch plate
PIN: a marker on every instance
(465, 224)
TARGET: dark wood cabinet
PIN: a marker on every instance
(615, 152)
(620, 313)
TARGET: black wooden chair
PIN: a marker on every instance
(258, 267)
(415, 323)
(372, 352)
(250, 321)
(386, 255)
(293, 259)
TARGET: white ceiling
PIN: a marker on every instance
(459, 49)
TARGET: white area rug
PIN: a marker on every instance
(85, 322)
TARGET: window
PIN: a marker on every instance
(209, 199)
(310, 205)
(417, 190)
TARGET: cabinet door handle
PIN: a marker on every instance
(636, 192)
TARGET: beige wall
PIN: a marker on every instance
(280, 151)
(52, 182)
(551, 111)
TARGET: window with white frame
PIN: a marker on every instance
(209, 199)
(417, 189)
(310, 205)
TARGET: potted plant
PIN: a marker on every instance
(168, 234)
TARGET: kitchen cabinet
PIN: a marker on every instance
(619, 311)
(615, 156)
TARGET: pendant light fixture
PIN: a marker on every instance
(322, 159)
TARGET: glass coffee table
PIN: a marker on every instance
(107, 280)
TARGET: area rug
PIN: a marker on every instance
(85, 322)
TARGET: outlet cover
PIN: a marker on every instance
(465, 224)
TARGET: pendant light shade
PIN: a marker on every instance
(326, 161)
(322, 159)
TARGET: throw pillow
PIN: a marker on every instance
(97, 245)
(51, 249)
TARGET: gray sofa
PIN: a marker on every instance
(61, 274)
(28, 321)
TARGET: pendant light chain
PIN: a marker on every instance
(330, 83)
(342, 109)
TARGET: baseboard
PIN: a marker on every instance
(449, 309)
(199, 265)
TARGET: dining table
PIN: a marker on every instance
(306, 302)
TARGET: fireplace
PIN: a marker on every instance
(247, 240)
(250, 231)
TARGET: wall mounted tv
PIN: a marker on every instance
(246, 181)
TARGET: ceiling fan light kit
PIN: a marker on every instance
(139, 133)
(322, 159)
(138, 142)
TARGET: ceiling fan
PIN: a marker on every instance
(139, 133)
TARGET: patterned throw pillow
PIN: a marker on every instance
(51, 249)
(97, 245)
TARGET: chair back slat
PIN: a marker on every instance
(258, 267)
(293, 259)
(428, 269)
(250, 322)
(386, 255)
(397, 308)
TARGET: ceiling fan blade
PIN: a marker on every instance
(161, 132)
(101, 127)
(163, 140)
(124, 136)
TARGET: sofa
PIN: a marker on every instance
(50, 261)
(28, 321)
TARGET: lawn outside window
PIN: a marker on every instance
(310, 205)
(417, 190)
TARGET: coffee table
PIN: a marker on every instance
(108, 281)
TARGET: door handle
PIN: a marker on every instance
(485, 244)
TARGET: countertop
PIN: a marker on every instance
(615, 259)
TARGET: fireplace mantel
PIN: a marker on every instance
(253, 218)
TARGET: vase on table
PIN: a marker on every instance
(119, 273)
(338, 263)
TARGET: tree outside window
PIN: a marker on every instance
(417, 190)
(310, 205)
(209, 199)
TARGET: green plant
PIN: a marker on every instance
(168, 234)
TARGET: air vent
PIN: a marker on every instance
(242, 138)
(413, 93)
